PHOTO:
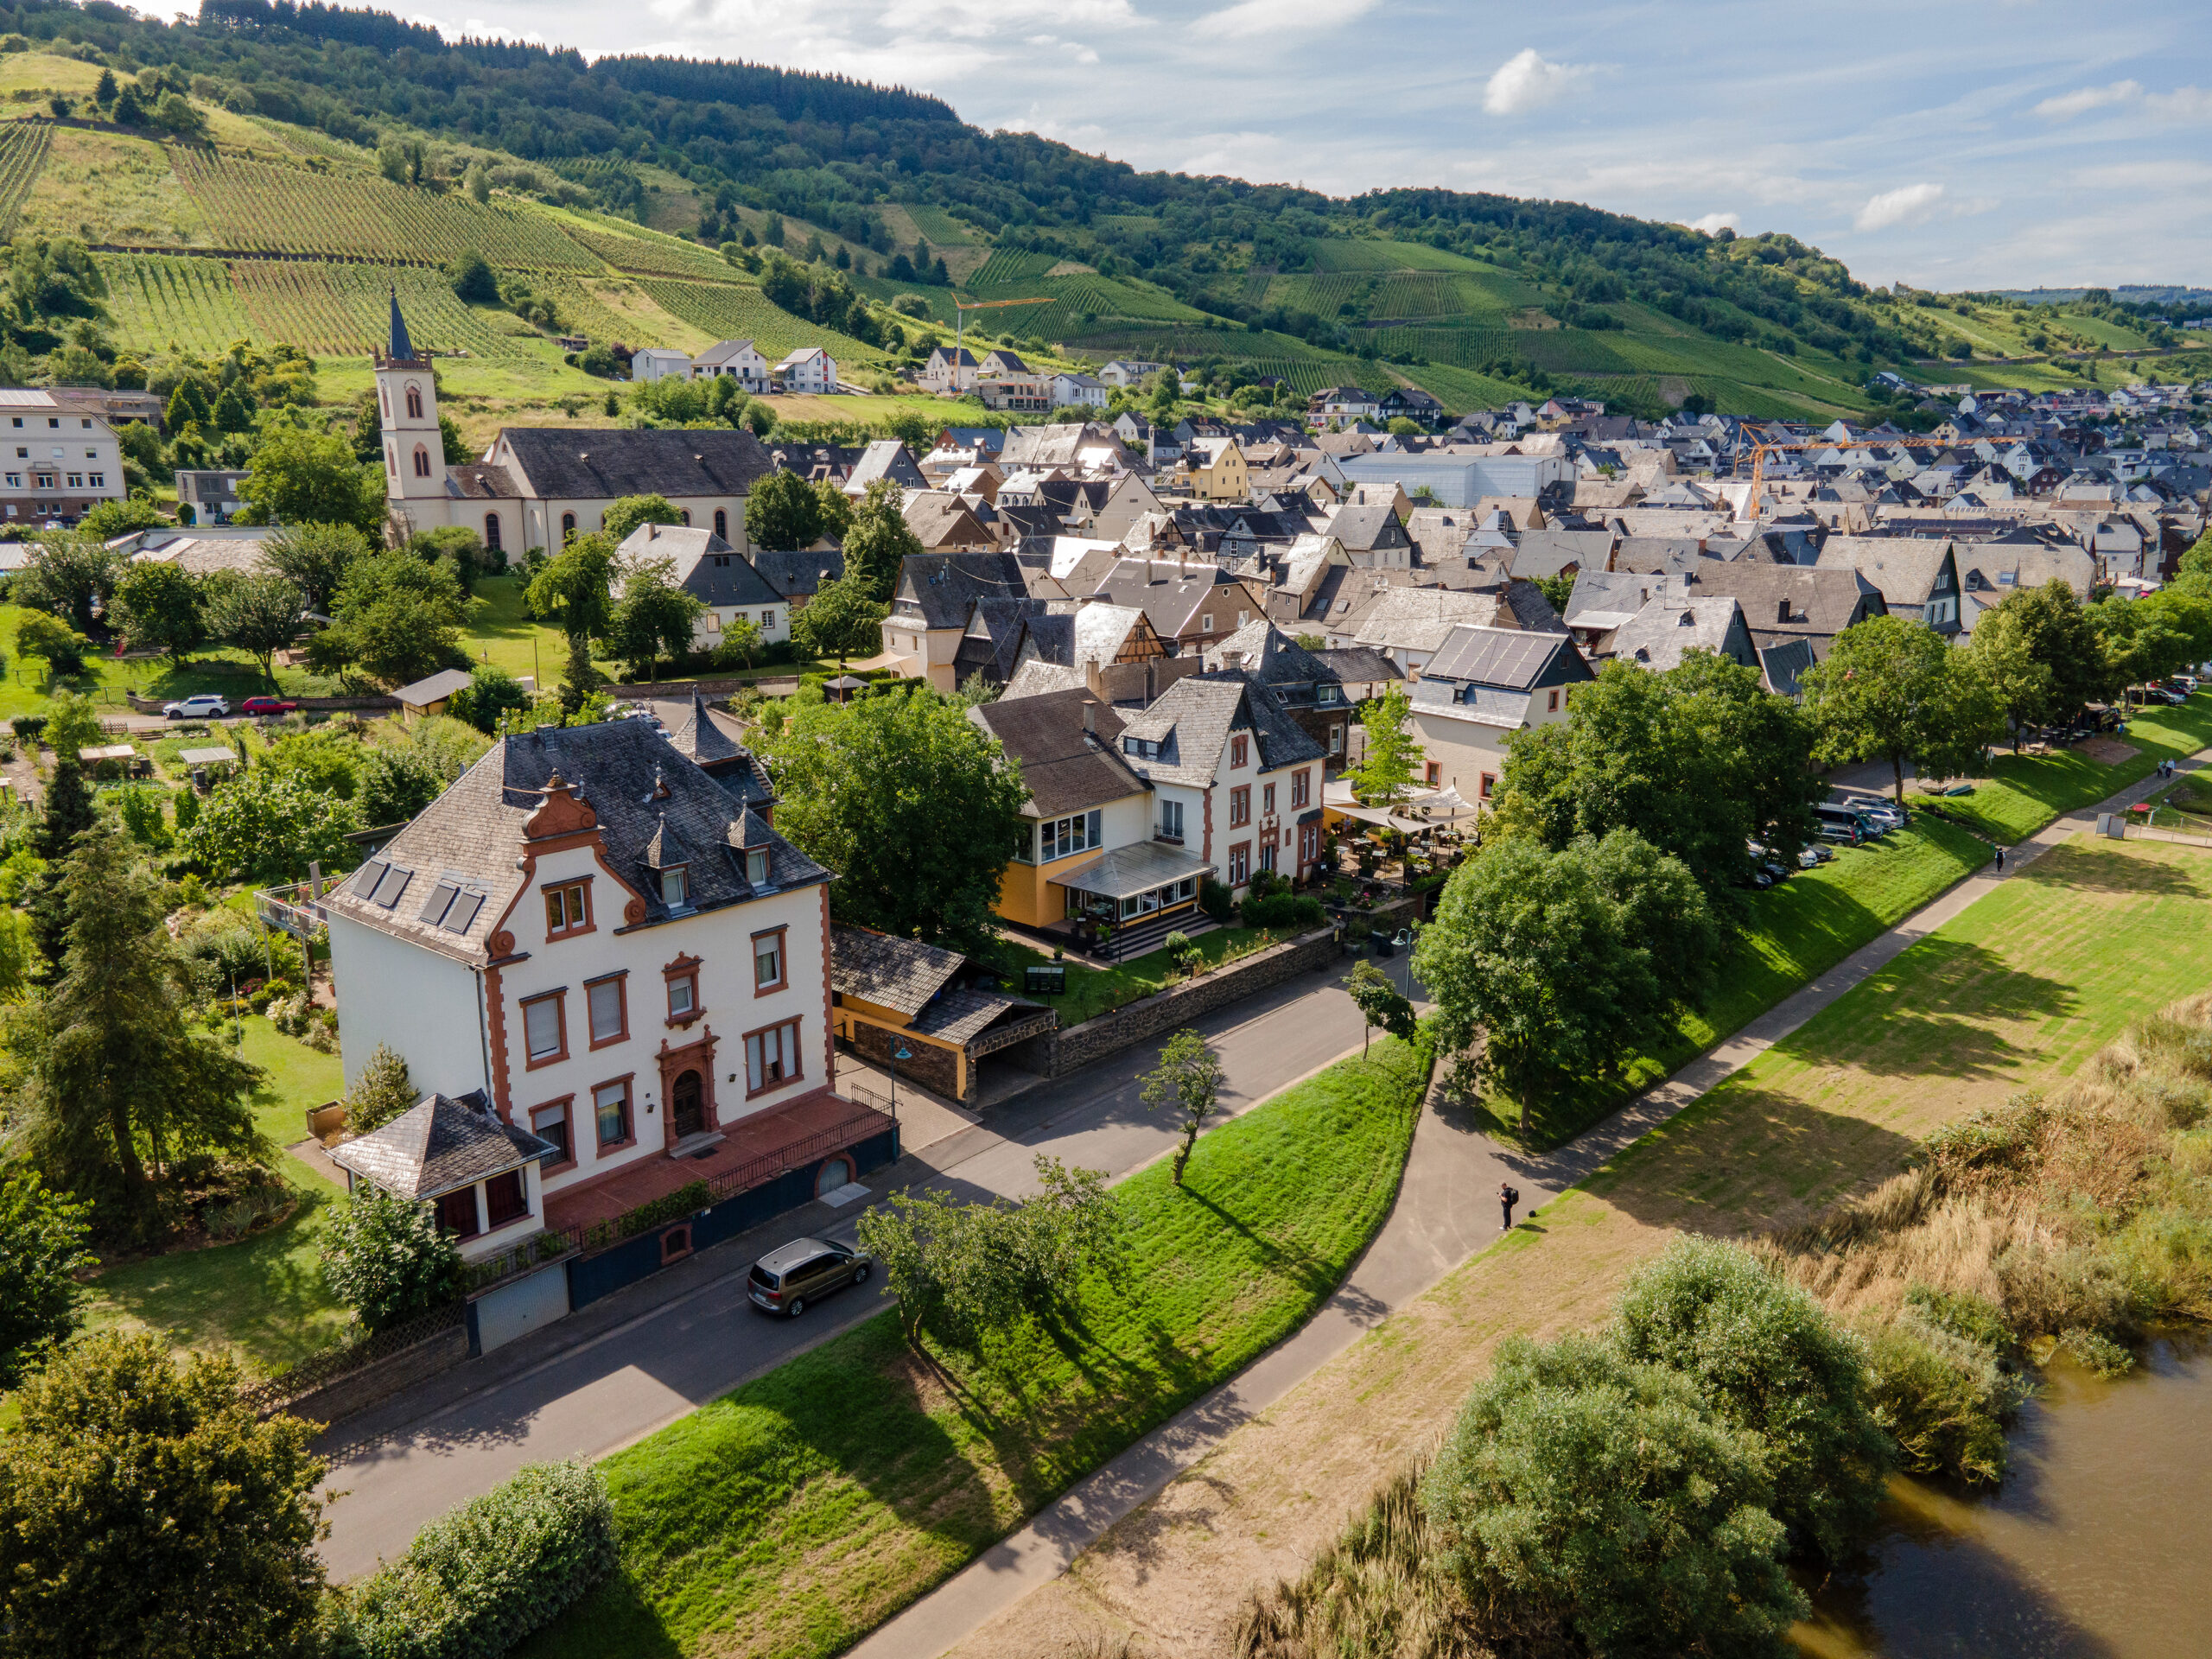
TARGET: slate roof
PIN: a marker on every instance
(1367, 528)
(1175, 605)
(1061, 444)
(901, 975)
(940, 588)
(1192, 721)
(1064, 768)
(1607, 598)
(1904, 567)
(1784, 664)
(885, 458)
(1272, 658)
(440, 1144)
(703, 736)
(798, 576)
(1657, 635)
(1356, 664)
(707, 567)
(563, 463)
(1549, 552)
(444, 881)
(1418, 619)
(1824, 599)
(481, 481)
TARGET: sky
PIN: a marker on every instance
(1947, 144)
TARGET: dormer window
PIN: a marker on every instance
(756, 867)
(675, 888)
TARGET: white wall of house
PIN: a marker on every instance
(657, 363)
(1462, 751)
(423, 1007)
(809, 371)
(774, 622)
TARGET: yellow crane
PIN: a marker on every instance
(1760, 451)
(961, 309)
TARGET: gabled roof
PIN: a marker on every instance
(1511, 660)
(885, 458)
(1066, 768)
(1270, 656)
(1904, 569)
(1192, 721)
(438, 687)
(1824, 599)
(1657, 635)
(707, 567)
(901, 975)
(725, 351)
(438, 1144)
(798, 574)
(1367, 528)
(563, 463)
(941, 587)
(709, 741)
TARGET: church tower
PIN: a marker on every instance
(414, 449)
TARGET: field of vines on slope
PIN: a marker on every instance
(644, 255)
(161, 299)
(258, 207)
(22, 152)
(729, 311)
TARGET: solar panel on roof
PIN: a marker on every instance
(463, 911)
(394, 883)
(433, 907)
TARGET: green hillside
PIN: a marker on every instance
(322, 156)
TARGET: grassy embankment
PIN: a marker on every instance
(2027, 792)
(1094, 991)
(2014, 993)
(800, 1512)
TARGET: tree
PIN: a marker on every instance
(159, 604)
(299, 477)
(1598, 1496)
(785, 511)
(385, 1258)
(1698, 760)
(1896, 690)
(959, 1270)
(111, 1067)
(112, 519)
(42, 1250)
(910, 803)
(2058, 634)
(69, 576)
(654, 618)
(1388, 771)
(1379, 1002)
(1772, 1366)
(398, 619)
(233, 412)
(879, 542)
(1186, 1086)
(395, 785)
(491, 691)
(2021, 683)
(51, 640)
(471, 278)
(843, 619)
(478, 183)
(382, 1092)
(66, 813)
(1540, 952)
(268, 825)
(72, 724)
(315, 558)
(580, 677)
(740, 645)
(627, 514)
(572, 591)
(257, 614)
(145, 1509)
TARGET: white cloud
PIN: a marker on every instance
(1713, 224)
(1911, 203)
(1253, 18)
(2183, 104)
(1526, 81)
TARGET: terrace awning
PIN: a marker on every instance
(1128, 871)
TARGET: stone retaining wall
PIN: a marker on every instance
(1094, 1039)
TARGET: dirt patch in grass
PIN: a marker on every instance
(2109, 751)
(2020, 988)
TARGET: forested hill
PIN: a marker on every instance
(1476, 298)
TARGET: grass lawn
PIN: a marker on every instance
(262, 1298)
(798, 1512)
(1798, 930)
(1094, 991)
(2027, 792)
(2019, 990)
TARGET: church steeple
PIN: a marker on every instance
(403, 349)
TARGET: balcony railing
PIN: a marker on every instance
(295, 909)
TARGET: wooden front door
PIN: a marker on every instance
(686, 1110)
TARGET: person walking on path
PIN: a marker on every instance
(1507, 1198)
(2000, 860)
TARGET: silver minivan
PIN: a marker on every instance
(790, 1276)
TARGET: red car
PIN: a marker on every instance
(266, 706)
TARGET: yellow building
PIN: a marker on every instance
(1215, 470)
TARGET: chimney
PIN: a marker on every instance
(1782, 611)
(1090, 708)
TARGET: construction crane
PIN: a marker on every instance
(1760, 451)
(962, 308)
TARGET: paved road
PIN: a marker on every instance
(653, 1353)
(1445, 1213)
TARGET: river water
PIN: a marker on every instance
(2097, 1546)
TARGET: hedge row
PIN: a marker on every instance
(477, 1580)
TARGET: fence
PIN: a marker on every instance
(318, 1371)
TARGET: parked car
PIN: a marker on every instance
(1887, 814)
(789, 1277)
(205, 706)
(1856, 825)
(1811, 858)
(267, 706)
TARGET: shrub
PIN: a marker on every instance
(1770, 1362)
(385, 1258)
(477, 1580)
(1943, 1399)
(1216, 901)
(381, 1093)
(1287, 911)
(1600, 1497)
(226, 943)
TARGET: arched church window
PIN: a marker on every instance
(421, 461)
(491, 531)
(568, 528)
(722, 524)
(414, 403)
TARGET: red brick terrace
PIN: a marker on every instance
(753, 1150)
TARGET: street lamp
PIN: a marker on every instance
(1401, 940)
(901, 1053)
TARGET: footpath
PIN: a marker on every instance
(1446, 1211)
